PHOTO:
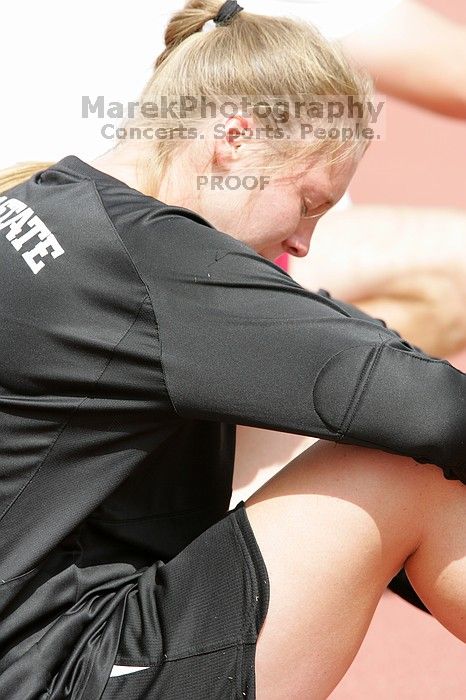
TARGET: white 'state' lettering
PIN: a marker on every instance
(21, 225)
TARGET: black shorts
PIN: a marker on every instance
(210, 602)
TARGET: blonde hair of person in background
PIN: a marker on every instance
(10, 177)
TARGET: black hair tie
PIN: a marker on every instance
(228, 10)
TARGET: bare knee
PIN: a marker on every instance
(411, 515)
(343, 520)
(394, 491)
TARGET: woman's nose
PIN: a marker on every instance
(298, 245)
(298, 250)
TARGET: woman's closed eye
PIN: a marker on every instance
(310, 212)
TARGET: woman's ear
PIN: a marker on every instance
(230, 139)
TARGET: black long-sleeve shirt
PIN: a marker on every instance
(135, 336)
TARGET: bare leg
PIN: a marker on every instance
(334, 526)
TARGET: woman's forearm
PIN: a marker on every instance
(415, 54)
(406, 265)
(427, 308)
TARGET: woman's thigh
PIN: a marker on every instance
(334, 526)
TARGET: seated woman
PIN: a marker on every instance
(143, 320)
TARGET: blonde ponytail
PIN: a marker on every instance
(189, 20)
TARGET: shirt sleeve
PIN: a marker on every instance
(242, 342)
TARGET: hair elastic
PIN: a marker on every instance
(228, 10)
